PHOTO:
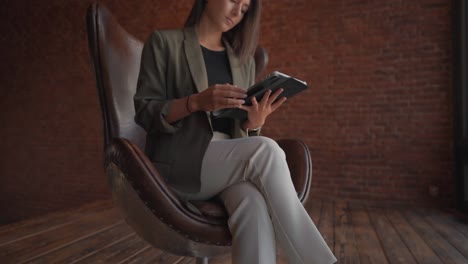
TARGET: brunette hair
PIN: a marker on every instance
(243, 38)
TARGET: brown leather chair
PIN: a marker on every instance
(148, 205)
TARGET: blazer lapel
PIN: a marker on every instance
(235, 66)
(196, 63)
(195, 59)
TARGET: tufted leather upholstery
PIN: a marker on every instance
(146, 202)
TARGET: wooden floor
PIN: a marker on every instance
(357, 233)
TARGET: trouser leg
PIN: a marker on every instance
(261, 161)
(253, 239)
(294, 229)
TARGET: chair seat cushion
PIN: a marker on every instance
(211, 208)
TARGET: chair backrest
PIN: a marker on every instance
(116, 56)
(261, 60)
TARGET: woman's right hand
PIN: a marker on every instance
(217, 97)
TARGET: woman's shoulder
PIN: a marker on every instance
(167, 34)
(171, 37)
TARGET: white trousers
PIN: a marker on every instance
(252, 178)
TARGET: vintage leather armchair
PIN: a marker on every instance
(147, 204)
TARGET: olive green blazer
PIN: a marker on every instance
(172, 66)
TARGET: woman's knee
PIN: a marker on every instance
(270, 146)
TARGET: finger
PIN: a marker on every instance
(274, 96)
(231, 94)
(265, 97)
(222, 102)
(233, 88)
(229, 102)
(227, 90)
(246, 108)
(254, 102)
(239, 89)
(278, 104)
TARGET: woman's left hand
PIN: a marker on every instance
(259, 111)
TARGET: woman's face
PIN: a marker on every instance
(226, 14)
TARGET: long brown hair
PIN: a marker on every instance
(243, 38)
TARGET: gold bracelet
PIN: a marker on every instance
(187, 104)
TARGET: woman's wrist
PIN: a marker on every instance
(191, 104)
(247, 125)
(187, 104)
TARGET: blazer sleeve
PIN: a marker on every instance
(151, 102)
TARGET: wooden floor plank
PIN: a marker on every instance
(86, 246)
(395, 249)
(30, 227)
(457, 221)
(48, 241)
(444, 250)
(165, 258)
(326, 223)
(367, 242)
(314, 207)
(153, 255)
(356, 234)
(116, 252)
(220, 259)
(418, 247)
(345, 244)
(142, 254)
(226, 259)
(281, 257)
(449, 232)
(188, 260)
(279, 260)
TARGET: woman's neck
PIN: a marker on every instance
(208, 36)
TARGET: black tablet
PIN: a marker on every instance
(274, 81)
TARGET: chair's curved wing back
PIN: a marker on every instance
(116, 59)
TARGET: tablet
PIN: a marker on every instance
(274, 81)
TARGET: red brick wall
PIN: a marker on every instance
(377, 117)
(51, 157)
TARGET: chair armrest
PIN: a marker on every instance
(158, 196)
(300, 165)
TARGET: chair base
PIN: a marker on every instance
(202, 260)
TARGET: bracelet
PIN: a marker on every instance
(187, 104)
(253, 130)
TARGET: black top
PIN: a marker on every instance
(219, 72)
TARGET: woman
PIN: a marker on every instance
(186, 74)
